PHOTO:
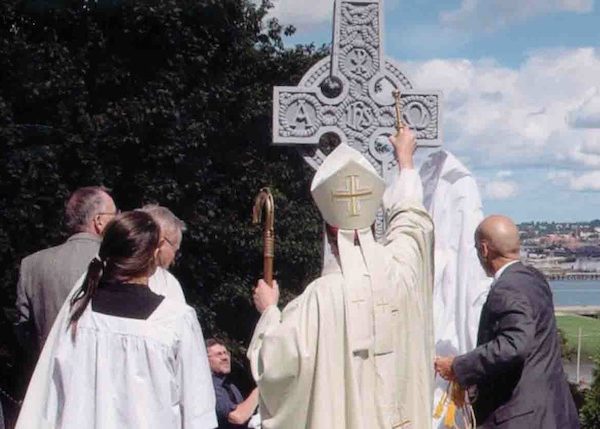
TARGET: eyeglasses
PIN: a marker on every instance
(175, 249)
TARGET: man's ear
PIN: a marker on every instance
(98, 224)
(485, 250)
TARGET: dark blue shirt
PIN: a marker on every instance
(228, 397)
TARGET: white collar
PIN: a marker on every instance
(504, 267)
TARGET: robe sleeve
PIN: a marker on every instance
(514, 332)
(409, 234)
(197, 394)
(269, 320)
(282, 354)
(409, 241)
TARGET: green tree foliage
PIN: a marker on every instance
(164, 101)
(567, 352)
(590, 412)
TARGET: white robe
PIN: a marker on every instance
(316, 363)
(40, 397)
(460, 285)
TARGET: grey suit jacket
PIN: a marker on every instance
(45, 280)
(517, 365)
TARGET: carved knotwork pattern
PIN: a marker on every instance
(387, 116)
(391, 68)
(318, 74)
(359, 41)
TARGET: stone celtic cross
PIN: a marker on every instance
(350, 94)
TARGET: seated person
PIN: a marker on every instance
(233, 411)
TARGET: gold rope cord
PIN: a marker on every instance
(453, 399)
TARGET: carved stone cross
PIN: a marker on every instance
(350, 94)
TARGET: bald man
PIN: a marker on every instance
(516, 368)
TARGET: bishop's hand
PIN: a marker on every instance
(265, 295)
(405, 144)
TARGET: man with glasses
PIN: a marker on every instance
(232, 410)
(162, 281)
(46, 277)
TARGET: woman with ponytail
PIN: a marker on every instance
(129, 358)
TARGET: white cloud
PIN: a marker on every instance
(486, 15)
(587, 115)
(502, 117)
(499, 190)
(586, 182)
(303, 12)
(589, 181)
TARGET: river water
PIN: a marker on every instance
(575, 292)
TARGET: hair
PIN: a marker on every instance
(82, 206)
(165, 218)
(215, 342)
(127, 251)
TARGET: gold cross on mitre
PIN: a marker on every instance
(352, 193)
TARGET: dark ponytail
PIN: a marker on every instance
(84, 295)
(127, 251)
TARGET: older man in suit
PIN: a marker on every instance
(516, 368)
(46, 277)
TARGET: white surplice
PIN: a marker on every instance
(127, 373)
(320, 364)
(164, 283)
(173, 326)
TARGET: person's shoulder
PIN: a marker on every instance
(326, 283)
(519, 273)
(322, 288)
(77, 245)
(515, 283)
(173, 309)
(164, 283)
(160, 271)
(41, 256)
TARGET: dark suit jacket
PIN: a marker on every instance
(517, 365)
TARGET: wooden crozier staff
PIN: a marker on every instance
(264, 199)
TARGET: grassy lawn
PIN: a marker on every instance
(590, 333)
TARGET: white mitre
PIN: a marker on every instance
(347, 189)
(348, 192)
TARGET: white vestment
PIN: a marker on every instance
(460, 284)
(173, 327)
(320, 364)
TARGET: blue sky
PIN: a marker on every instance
(521, 82)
